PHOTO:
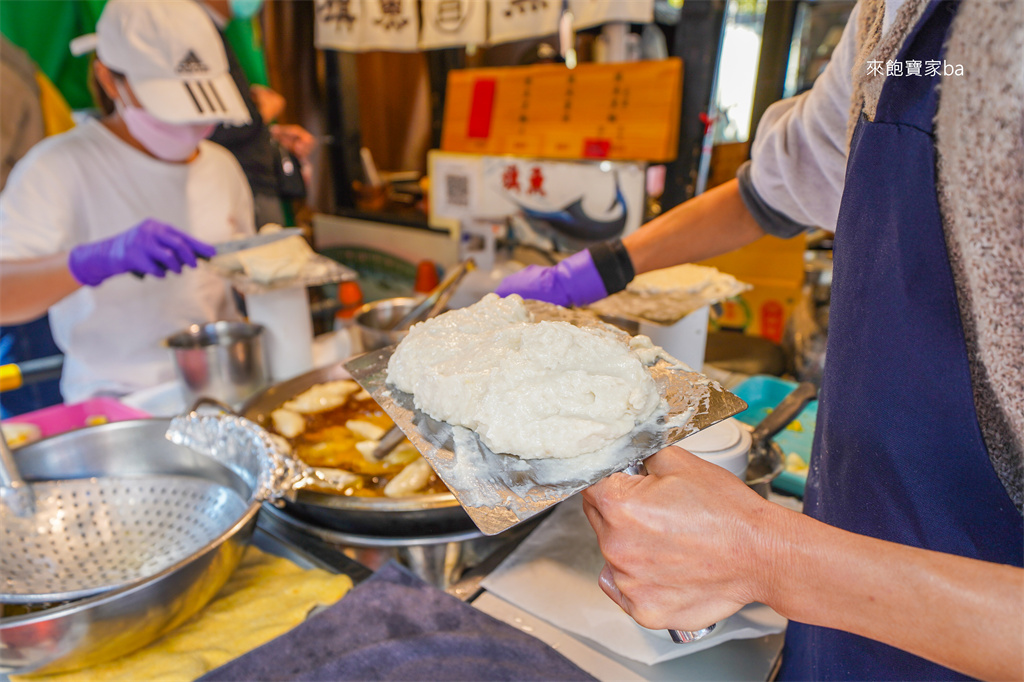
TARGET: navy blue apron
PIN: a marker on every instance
(898, 451)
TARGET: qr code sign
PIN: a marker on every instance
(458, 190)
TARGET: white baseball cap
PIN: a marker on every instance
(173, 58)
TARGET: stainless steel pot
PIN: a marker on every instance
(418, 516)
(222, 360)
(90, 631)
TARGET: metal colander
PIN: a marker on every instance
(92, 535)
(67, 539)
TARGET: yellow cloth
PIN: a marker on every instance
(56, 112)
(265, 597)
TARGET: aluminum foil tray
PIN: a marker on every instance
(667, 308)
(318, 270)
(507, 490)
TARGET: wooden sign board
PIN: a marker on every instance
(624, 111)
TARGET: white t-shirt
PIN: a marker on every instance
(86, 185)
(799, 153)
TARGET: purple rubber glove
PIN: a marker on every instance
(149, 248)
(575, 281)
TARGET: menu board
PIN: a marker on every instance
(624, 111)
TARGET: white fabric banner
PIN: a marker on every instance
(518, 19)
(453, 23)
(587, 13)
(339, 25)
(390, 25)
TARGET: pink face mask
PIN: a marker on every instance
(167, 141)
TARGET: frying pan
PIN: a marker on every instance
(419, 516)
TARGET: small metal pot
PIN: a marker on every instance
(374, 321)
(765, 466)
(766, 457)
(221, 360)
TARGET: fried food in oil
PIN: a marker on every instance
(341, 436)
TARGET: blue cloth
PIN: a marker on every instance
(394, 626)
(22, 342)
(898, 451)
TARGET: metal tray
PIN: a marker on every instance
(507, 490)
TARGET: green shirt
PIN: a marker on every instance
(46, 29)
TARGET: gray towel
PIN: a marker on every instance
(394, 626)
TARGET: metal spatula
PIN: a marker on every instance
(505, 490)
(500, 491)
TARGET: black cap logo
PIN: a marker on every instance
(192, 64)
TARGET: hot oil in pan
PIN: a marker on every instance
(326, 442)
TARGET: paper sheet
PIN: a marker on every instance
(553, 575)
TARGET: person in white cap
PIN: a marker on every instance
(140, 192)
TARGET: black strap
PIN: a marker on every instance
(613, 264)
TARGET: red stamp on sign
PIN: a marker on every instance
(596, 148)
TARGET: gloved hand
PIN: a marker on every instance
(579, 280)
(149, 248)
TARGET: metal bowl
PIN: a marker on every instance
(374, 321)
(414, 516)
(98, 629)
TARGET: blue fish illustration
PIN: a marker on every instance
(572, 221)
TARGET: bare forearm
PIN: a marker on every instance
(961, 613)
(710, 224)
(29, 287)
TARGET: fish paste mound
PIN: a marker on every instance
(536, 390)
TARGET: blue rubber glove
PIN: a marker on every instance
(149, 248)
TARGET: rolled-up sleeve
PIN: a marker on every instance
(798, 158)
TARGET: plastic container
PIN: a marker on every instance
(427, 277)
(61, 418)
(762, 394)
(726, 444)
(350, 298)
(686, 340)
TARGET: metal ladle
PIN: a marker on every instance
(14, 491)
(435, 302)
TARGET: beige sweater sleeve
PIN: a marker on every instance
(21, 116)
